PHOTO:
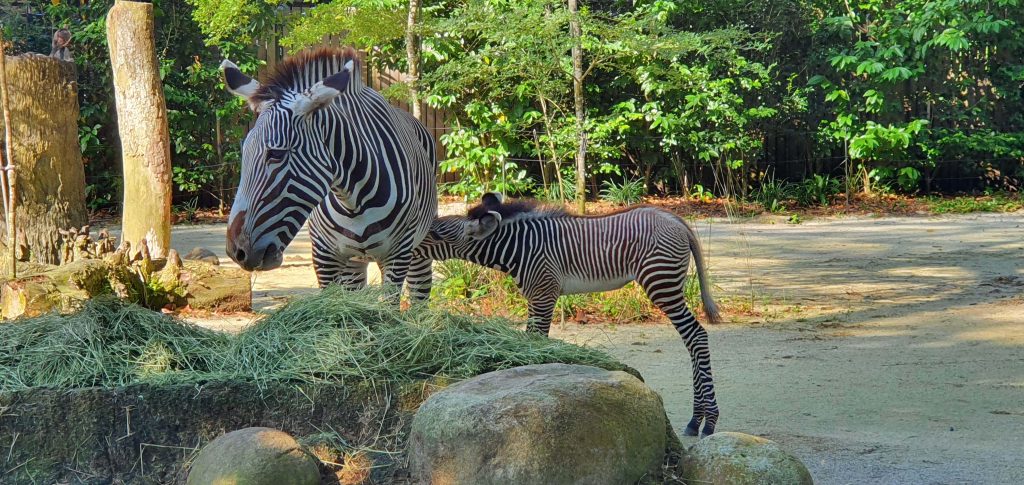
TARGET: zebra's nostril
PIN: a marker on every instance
(240, 255)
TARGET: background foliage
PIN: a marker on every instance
(781, 102)
(205, 167)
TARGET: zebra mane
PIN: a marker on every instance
(525, 207)
(301, 71)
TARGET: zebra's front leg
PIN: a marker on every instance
(332, 268)
(420, 278)
(393, 273)
(541, 308)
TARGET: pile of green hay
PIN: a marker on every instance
(335, 336)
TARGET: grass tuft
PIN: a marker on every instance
(106, 343)
(334, 336)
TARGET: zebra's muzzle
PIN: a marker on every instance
(259, 258)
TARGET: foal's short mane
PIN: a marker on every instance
(515, 208)
(300, 71)
(534, 208)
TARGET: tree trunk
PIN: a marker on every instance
(142, 126)
(49, 172)
(577, 94)
(412, 54)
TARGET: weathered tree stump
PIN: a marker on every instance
(50, 175)
(168, 283)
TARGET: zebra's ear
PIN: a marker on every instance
(237, 83)
(492, 199)
(484, 226)
(323, 92)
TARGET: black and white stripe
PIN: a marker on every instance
(551, 253)
(326, 148)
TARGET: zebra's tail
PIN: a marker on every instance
(710, 309)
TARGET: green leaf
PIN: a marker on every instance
(898, 73)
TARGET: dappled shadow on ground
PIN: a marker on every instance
(901, 361)
(903, 364)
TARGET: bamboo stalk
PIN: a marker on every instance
(11, 192)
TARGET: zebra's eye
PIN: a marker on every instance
(274, 156)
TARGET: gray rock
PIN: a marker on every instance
(204, 255)
(726, 458)
(540, 424)
(254, 456)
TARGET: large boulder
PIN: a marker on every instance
(540, 424)
(254, 456)
(727, 458)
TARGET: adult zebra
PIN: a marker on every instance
(550, 253)
(327, 148)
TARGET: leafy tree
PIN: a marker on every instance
(911, 79)
(205, 124)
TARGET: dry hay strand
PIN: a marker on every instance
(333, 337)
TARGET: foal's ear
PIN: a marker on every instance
(492, 200)
(483, 227)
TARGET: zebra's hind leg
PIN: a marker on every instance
(668, 295)
(696, 339)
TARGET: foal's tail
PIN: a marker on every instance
(710, 309)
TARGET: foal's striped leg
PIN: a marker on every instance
(541, 308)
(666, 290)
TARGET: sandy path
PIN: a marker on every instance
(878, 350)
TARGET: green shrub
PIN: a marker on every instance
(817, 190)
(964, 205)
(627, 193)
(772, 194)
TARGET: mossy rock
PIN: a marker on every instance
(727, 458)
(540, 424)
(210, 287)
(254, 456)
(58, 288)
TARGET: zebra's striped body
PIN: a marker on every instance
(550, 253)
(326, 148)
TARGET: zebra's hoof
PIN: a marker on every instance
(692, 427)
(708, 431)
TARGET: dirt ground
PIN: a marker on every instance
(878, 350)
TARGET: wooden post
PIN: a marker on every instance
(142, 126)
(577, 94)
(412, 57)
(8, 168)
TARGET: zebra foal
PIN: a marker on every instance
(551, 253)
